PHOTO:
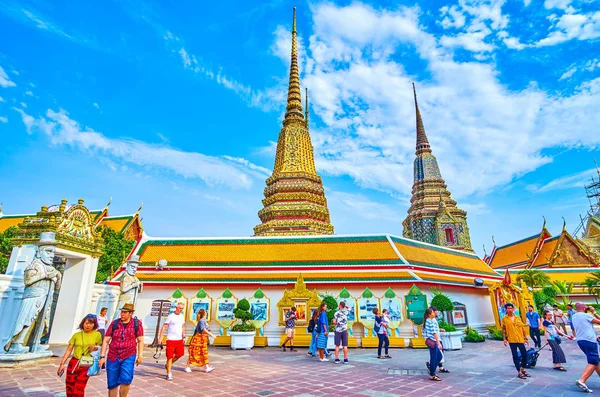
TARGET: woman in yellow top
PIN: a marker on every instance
(515, 336)
(82, 343)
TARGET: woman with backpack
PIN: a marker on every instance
(553, 335)
(81, 344)
(198, 350)
(431, 333)
(380, 328)
(323, 331)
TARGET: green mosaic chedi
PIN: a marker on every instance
(433, 216)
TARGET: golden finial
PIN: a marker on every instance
(422, 141)
(544, 225)
(494, 241)
(80, 201)
(139, 209)
(564, 224)
(306, 112)
(294, 101)
(109, 202)
(484, 251)
(44, 208)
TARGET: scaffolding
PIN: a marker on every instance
(592, 191)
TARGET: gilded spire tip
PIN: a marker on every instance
(422, 141)
(294, 101)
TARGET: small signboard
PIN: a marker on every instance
(156, 308)
(416, 304)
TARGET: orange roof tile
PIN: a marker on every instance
(514, 253)
(433, 256)
(117, 224)
(548, 247)
(8, 221)
(223, 251)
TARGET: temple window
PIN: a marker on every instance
(449, 235)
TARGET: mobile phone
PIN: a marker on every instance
(61, 373)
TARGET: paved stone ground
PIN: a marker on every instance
(483, 369)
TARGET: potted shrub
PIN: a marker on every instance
(495, 332)
(451, 339)
(471, 335)
(242, 332)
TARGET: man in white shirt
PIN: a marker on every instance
(587, 342)
(175, 326)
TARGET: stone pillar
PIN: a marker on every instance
(75, 296)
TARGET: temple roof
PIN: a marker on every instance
(514, 253)
(363, 259)
(541, 251)
(130, 224)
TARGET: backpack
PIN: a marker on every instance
(377, 325)
(136, 326)
(311, 325)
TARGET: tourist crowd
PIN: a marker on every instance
(118, 345)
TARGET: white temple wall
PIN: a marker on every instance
(476, 300)
(75, 295)
(11, 295)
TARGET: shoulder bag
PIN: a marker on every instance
(86, 360)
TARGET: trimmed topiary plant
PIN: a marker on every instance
(444, 304)
(332, 307)
(242, 313)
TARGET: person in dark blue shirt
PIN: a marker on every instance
(534, 326)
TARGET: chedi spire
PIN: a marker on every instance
(294, 202)
(433, 216)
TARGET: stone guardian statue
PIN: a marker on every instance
(40, 279)
(130, 285)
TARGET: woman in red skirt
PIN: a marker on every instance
(82, 343)
(198, 350)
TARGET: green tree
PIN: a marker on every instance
(533, 278)
(563, 288)
(116, 249)
(6, 247)
(592, 284)
(332, 307)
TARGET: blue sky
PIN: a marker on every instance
(179, 105)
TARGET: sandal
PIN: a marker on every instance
(380, 357)
(583, 387)
(387, 356)
(522, 376)
(444, 371)
(561, 368)
(435, 378)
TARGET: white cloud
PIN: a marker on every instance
(3, 119)
(28, 93)
(514, 43)
(4, 80)
(453, 17)
(96, 105)
(60, 129)
(483, 134)
(1, 99)
(577, 180)
(185, 57)
(568, 73)
(572, 26)
(360, 206)
(560, 4)
(23, 105)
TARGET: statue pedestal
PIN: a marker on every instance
(222, 340)
(397, 342)
(260, 341)
(18, 360)
(418, 343)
